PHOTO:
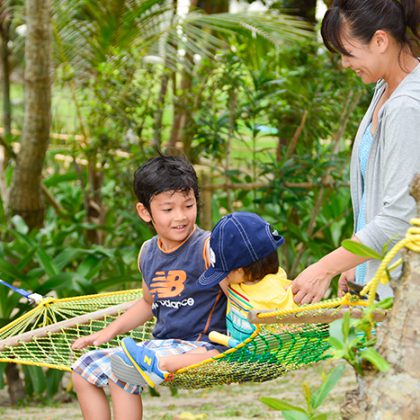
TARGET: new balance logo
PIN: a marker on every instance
(169, 284)
(147, 360)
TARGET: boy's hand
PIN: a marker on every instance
(95, 339)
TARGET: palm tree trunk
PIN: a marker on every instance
(303, 8)
(182, 127)
(26, 197)
(5, 21)
(213, 6)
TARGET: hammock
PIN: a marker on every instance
(283, 340)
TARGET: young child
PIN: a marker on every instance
(170, 263)
(243, 254)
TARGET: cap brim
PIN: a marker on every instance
(211, 277)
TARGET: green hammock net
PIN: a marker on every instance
(44, 335)
(283, 340)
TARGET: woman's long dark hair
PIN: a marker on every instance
(364, 17)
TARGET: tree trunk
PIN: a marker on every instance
(164, 82)
(5, 21)
(395, 394)
(14, 384)
(94, 207)
(303, 8)
(182, 131)
(213, 6)
(26, 197)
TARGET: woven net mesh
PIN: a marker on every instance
(44, 335)
(271, 352)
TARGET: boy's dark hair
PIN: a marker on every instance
(259, 269)
(164, 173)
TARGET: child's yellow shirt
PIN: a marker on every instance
(269, 293)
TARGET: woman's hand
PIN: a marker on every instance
(95, 339)
(311, 284)
(345, 277)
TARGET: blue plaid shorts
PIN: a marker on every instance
(95, 366)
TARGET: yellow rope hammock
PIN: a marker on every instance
(283, 340)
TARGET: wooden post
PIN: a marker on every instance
(206, 198)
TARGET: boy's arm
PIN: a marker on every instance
(138, 314)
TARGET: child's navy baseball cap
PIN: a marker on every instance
(238, 240)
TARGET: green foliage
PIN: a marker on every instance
(55, 260)
(249, 105)
(354, 339)
(41, 384)
(313, 398)
(249, 91)
(358, 248)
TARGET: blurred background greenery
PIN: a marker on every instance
(244, 89)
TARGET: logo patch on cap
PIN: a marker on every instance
(275, 233)
(212, 258)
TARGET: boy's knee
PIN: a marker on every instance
(78, 381)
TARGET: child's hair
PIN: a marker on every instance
(164, 173)
(257, 270)
(365, 17)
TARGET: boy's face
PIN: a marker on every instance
(173, 215)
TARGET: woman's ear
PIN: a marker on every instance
(143, 213)
(381, 40)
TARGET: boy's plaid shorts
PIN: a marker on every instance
(95, 366)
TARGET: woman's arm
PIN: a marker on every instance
(312, 283)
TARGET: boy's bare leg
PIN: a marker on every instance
(125, 406)
(93, 402)
(179, 361)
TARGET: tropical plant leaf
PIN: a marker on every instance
(36, 378)
(386, 303)
(327, 385)
(372, 356)
(320, 416)
(280, 405)
(336, 343)
(20, 224)
(47, 262)
(295, 415)
(358, 248)
(307, 392)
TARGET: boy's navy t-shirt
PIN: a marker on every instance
(182, 309)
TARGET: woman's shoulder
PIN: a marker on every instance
(407, 94)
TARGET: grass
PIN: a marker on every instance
(228, 402)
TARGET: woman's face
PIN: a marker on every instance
(364, 59)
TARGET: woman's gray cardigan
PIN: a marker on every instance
(393, 160)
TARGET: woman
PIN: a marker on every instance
(373, 38)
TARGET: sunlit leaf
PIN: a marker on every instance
(372, 356)
(327, 385)
(358, 248)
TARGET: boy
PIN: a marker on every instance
(243, 253)
(171, 262)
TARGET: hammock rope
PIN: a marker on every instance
(283, 340)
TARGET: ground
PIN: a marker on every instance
(229, 402)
